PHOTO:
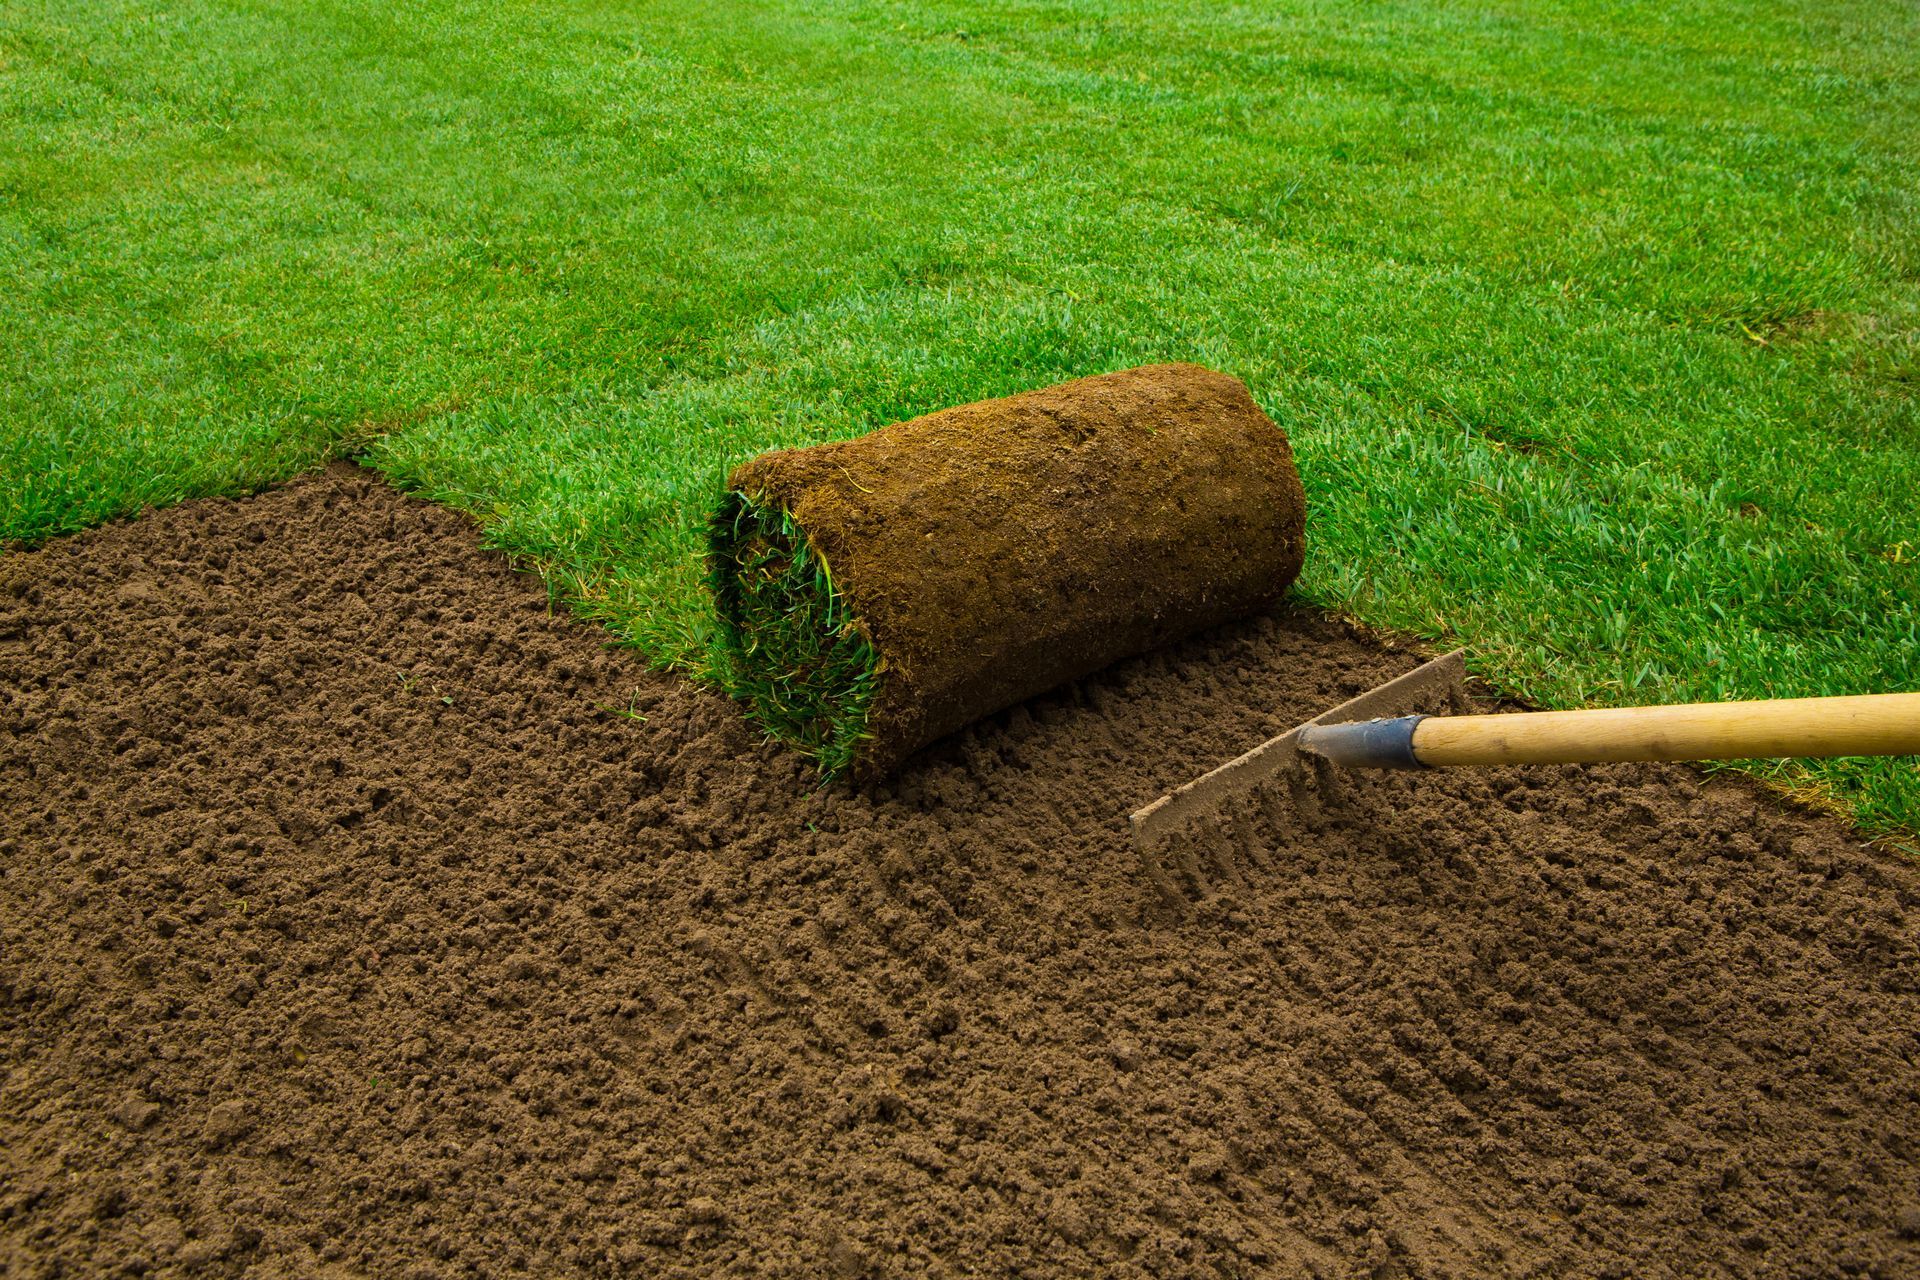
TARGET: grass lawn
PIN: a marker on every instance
(1594, 325)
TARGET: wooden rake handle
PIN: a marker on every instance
(1881, 724)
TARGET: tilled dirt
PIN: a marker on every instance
(359, 917)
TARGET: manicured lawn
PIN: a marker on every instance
(1594, 325)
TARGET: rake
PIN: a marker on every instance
(1391, 727)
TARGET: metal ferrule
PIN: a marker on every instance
(1365, 744)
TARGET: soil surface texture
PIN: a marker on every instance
(361, 917)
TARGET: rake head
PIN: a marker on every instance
(1193, 840)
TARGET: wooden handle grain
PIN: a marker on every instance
(1881, 724)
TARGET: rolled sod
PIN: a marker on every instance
(877, 594)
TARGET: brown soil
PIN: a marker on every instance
(351, 929)
(998, 549)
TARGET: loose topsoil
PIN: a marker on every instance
(361, 917)
(995, 550)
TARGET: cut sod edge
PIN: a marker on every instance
(791, 646)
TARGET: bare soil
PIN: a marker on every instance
(360, 917)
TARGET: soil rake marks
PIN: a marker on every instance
(667, 1007)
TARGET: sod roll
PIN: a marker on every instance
(877, 594)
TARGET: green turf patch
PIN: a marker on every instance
(1596, 326)
(790, 645)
